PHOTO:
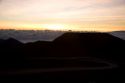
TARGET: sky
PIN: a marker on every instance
(80, 15)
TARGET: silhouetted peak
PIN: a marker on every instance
(10, 42)
(86, 36)
(11, 39)
(88, 39)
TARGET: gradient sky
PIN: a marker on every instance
(104, 15)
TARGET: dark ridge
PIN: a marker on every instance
(36, 49)
(13, 41)
(10, 42)
(39, 55)
(94, 44)
(70, 44)
(88, 40)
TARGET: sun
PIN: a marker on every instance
(54, 26)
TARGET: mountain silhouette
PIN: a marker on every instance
(10, 42)
(94, 44)
(71, 44)
(43, 54)
(88, 39)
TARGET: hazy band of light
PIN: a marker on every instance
(62, 27)
(77, 15)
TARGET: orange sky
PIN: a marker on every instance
(79, 15)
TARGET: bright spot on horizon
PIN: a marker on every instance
(78, 15)
(54, 26)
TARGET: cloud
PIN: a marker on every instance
(65, 10)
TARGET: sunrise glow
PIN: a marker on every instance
(54, 26)
(77, 15)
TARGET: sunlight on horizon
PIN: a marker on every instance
(54, 26)
(60, 27)
(75, 15)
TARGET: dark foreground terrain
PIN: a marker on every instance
(89, 57)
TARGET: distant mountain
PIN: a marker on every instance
(69, 50)
(120, 34)
(69, 44)
(87, 39)
(93, 44)
(72, 43)
(9, 50)
(10, 42)
(26, 36)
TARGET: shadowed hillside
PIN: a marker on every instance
(96, 44)
(68, 50)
